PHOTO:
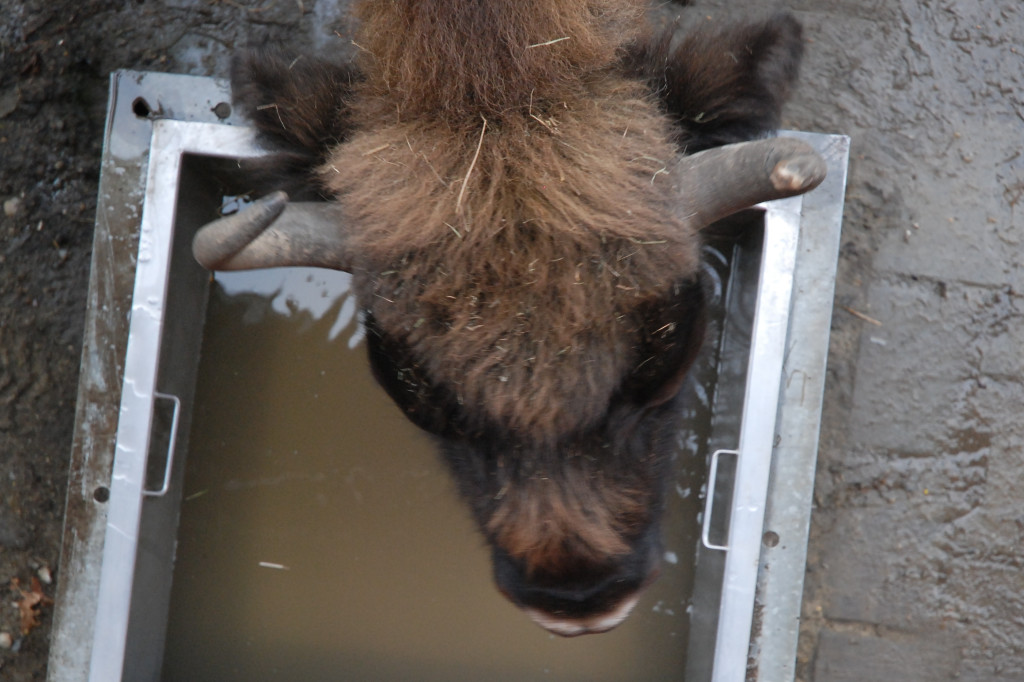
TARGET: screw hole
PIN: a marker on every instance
(223, 110)
(770, 539)
(101, 494)
(141, 108)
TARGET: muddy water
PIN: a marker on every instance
(321, 537)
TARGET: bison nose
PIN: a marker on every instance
(571, 627)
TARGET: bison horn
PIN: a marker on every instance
(710, 185)
(721, 181)
(274, 232)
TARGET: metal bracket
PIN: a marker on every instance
(170, 446)
(709, 500)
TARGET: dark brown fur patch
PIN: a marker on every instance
(721, 84)
(554, 525)
(300, 106)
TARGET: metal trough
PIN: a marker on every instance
(138, 386)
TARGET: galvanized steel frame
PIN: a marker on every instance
(778, 442)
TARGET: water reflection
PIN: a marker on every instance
(290, 291)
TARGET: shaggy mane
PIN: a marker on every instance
(516, 246)
(465, 58)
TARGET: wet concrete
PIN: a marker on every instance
(914, 569)
(915, 561)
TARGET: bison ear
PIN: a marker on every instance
(673, 334)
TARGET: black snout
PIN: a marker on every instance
(585, 598)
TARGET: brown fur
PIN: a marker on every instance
(516, 248)
(558, 524)
(454, 60)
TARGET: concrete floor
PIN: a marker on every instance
(914, 567)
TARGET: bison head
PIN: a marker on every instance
(572, 519)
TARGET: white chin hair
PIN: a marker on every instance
(571, 627)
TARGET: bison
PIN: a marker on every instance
(518, 188)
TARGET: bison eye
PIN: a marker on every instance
(674, 333)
